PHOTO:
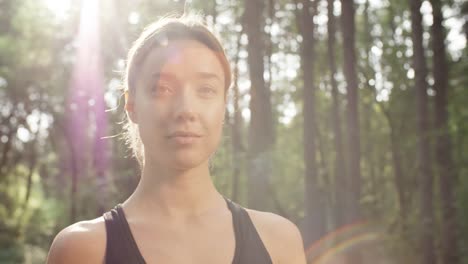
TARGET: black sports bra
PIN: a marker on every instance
(122, 248)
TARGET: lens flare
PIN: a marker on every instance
(59, 8)
(86, 120)
(336, 244)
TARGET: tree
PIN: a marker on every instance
(396, 128)
(236, 128)
(261, 117)
(445, 164)
(423, 161)
(313, 198)
(353, 145)
(340, 176)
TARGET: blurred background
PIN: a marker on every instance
(347, 117)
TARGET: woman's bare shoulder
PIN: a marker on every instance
(280, 236)
(82, 242)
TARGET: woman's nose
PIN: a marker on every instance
(184, 109)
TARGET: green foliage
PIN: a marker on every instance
(38, 51)
(462, 207)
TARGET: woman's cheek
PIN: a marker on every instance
(218, 116)
(219, 125)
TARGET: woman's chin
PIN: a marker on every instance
(180, 159)
(187, 162)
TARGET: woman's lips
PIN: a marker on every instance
(184, 134)
(184, 137)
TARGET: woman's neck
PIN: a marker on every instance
(175, 193)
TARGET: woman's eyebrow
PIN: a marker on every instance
(200, 74)
(162, 75)
(209, 75)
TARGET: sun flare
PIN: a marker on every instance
(60, 8)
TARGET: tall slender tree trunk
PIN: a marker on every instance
(444, 159)
(425, 173)
(400, 183)
(395, 130)
(237, 147)
(31, 168)
(340, 175)
(261, 117)
(314, 223)
(6, 151)
(33, 157)
(180, 7)
(214, 12)
(74, 185)
(268, 40)
(464, 11)
(353, 142)
(368, 105)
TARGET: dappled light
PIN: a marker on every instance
(347, 118)
(86, 119)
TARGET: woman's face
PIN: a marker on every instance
(179, 104)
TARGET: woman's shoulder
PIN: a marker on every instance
(82, 242)
(280, 236)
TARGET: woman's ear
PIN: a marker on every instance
(130, 107)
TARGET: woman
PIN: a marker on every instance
(176, 84)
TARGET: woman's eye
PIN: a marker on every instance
(206, 90)
(160, 90)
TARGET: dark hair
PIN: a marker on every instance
(160, 34)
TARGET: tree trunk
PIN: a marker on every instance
(354, 151)
(261, 117)
(31, 168)
(5, 152)
(314, 223)
(464, 12)
(214, 12)
(368, 105)
(269, 42)
(33, 155)
(444, 159)
(180, 7)
(74, 171)
(340, 176)
(353, 143)
(423, 161)
(400, 184)
(236, 128)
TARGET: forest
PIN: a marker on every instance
(350, 118)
